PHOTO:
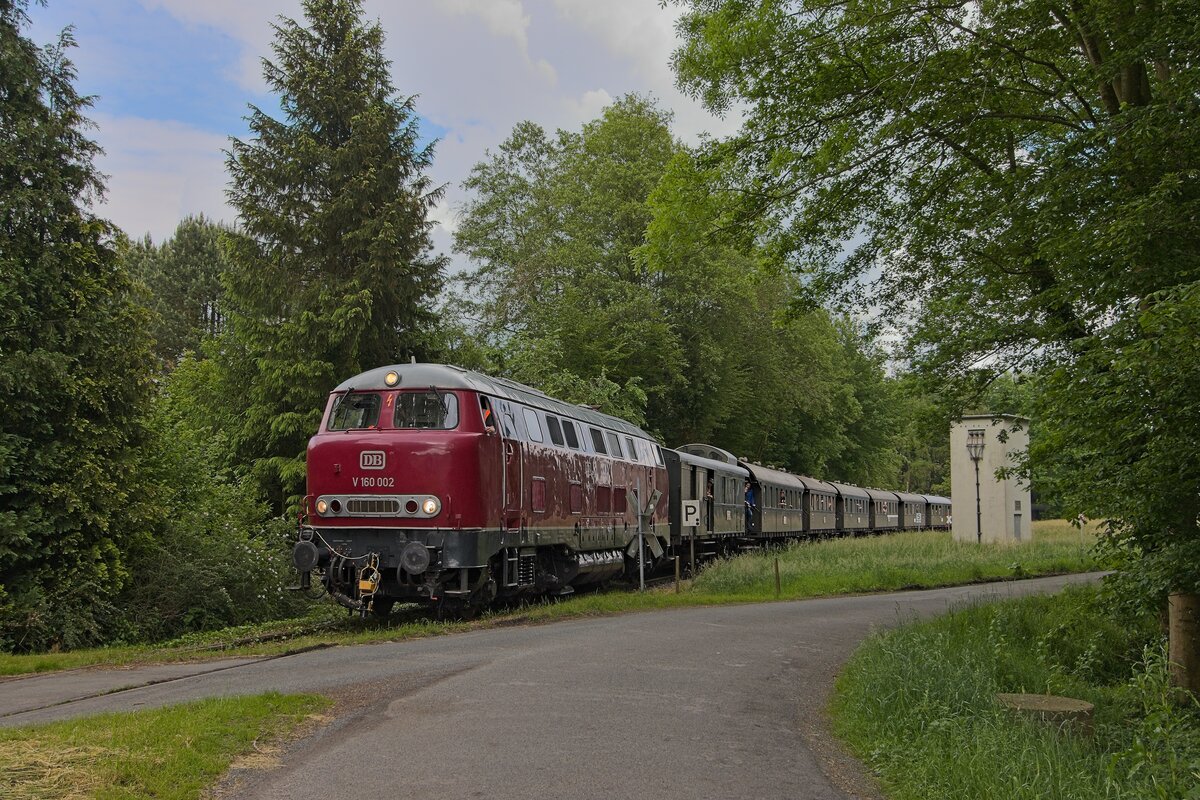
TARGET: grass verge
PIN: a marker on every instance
(839, 566)
(171, 753)
(918, 705)
(899, 561)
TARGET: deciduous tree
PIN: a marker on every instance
(1013, 183)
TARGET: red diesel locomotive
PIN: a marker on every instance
(435, 483)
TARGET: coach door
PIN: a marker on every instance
(514, 478)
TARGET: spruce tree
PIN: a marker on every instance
(335, 273)
(74, 359)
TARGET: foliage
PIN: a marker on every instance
(74, 361)
(589, 286)
(1012, 184)
(334, 273)
(215, 558)
(552, 226)
(183, 276)
(938, 732)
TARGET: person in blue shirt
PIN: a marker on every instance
(749, 507)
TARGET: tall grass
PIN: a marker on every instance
(899, 561)
(919, 705)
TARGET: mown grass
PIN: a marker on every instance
(171, 753)
(918, 704)
(882, 563)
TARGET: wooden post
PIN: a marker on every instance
(777, 587)
(1183, 619)
(676, 574)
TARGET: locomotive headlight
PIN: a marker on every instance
(392, 378)
(431, 506)
(322, 506)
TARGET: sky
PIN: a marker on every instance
(173, 79)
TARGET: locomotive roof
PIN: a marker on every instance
(849, 490)
(444, 376)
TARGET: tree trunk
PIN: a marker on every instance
(1183, 612)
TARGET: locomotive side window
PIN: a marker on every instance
(555, 430)
(353, 411)
(630, 453)
(426, 410)
(614, 444)
(597, 440)
(603, 499)
(569, 432)
(533, 424)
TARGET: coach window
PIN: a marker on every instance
(353, 411)
(614, 444)
(569, 432)
(555, 430)
(597, 440)
(532, 424)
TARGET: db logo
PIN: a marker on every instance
(372, 459)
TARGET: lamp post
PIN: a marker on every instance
(975, 450)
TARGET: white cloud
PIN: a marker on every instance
(478, 66)
(160, 172)
(586, 107)
(506, 19)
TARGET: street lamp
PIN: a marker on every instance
(975, 450)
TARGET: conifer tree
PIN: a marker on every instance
(183, 276)
(74, 359)
(335, 273)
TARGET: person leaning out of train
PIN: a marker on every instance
(749, 507)
(489, 420)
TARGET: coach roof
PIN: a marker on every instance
(442, 376)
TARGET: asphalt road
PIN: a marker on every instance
(725, 702)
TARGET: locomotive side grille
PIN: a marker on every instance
(373, 506)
